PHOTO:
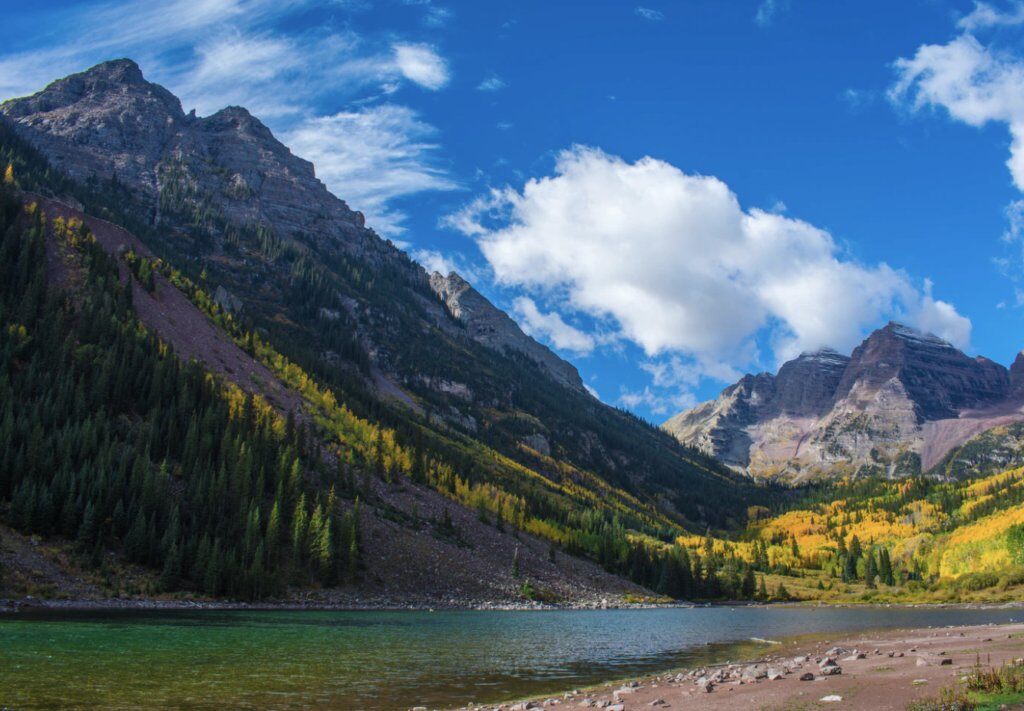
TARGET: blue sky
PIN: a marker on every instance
(668, 193)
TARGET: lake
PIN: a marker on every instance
(387, 660)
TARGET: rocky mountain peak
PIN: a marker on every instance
(823, 409)
(238, 119)
(115, 72)
(102, 84)
(939, 379)
(109, 121)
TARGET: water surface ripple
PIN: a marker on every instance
(386, 660)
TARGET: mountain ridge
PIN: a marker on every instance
(116, 92)
(406, 379)
(895, 406)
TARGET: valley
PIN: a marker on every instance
(379, 434)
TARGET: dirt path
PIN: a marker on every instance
(897, 667)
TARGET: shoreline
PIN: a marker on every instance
(384, 604)
(883, 670)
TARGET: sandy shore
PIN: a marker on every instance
(878, 671)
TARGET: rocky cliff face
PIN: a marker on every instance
(492, 327)
(896, 406)
(111, 123)
(939, 380)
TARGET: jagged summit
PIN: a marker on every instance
(872, 410)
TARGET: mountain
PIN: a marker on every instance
(896, 406)
(463, 438)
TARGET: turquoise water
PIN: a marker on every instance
(385, 660)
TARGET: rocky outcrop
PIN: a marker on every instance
(805, 386)
(1017, 372)
(894, 407)
(489, 325)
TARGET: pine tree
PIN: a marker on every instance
(885, 572)
(300, 530)
(170, 577)
(273, 534)
(870, 570)
(748, 587)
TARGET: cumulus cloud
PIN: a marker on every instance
(420, 63)
(551, 327)
(679, 267)
(974, 83)
(372, 156)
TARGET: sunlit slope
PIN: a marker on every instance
(876, 539)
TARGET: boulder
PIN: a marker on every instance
(830, 668)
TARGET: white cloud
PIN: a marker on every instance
(371, 156)
(649, 14)
(857, 98)
(680, 267)
(492, 83)
(675, 372)
(974, 83)
(984, 15)
(434, 260)
(110, 29)
(659, 403)
(433, 15)
(436, 16)
(767, 11)
(420, 63)
(551, 327)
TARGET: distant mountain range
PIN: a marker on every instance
(897, 406)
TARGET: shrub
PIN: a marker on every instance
(950, 699)
(977, 581)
